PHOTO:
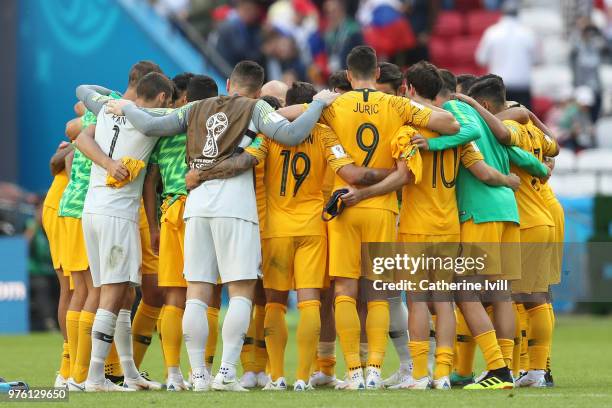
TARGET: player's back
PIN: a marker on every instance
(430, 207)
(365, 121)
(118, 138)
(294, 179)
(532, 207)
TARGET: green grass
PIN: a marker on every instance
(582, 366)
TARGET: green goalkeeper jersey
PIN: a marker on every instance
(476, 200)
(170, 155)
(73, 198)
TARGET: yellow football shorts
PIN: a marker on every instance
(558, 216)
(432, 247)
(171, 246)
(150, 262)
(51, 225)
(536, 259)
(352, 228)
(294, 262)
(498, 243)
(73, 253)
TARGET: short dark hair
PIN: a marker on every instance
(465, 81)
(300, 92)
(140, 69)
(272, 101)
(201, 87)
(390, 74)
(180, 84)
(339, 80)
(152, 85)
(449, 82)
(491, 88)
(248, 75)
(361, 61)
(425, 79)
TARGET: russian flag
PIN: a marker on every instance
(386, 29)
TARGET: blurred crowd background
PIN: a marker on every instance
(554, 56)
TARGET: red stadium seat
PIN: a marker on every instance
(466, 69)
(479, 20)
(540, 105)
(467, 5)
(448, 24)
(439, 52)
(463, 49)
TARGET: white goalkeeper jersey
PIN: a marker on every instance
(117, 138)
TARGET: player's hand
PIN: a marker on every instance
(117, 170)
(326, 96)
(192, 179)
(79, 108)
(513, 181)
(63, 145)
(353, 197)
(154, 233)
(420, 141)
(115, 106)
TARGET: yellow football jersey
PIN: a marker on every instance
(531, 205)
(549, 149)
(54, 194)
(429, 207)
(366, 121)
(294, 178)
(260, 193)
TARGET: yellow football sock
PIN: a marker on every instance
(112, 365)
(539, 334)
(213, 333)
(261, 353)
(65, 362)
(172, 335)
(326, 357)
(308, 330)
(348, 329)
(275, 328)
(466, 346)
(247, 353)
(487, 342)
(377, 329)
(419, 350)
(524, 318)
(516, 353)
(507, 348)
(444, 362)
(552, 321)
(72, 333)
(142, 329)
(81, 365)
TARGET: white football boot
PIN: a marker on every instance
(353, 381)
(320, 379)
(249, 380)
(301, 385)
(106, 386)
(221, 383)
(373, 378)
(441, 383)
(279, 385)
(412, 384)
(533, 378)
(60, 382)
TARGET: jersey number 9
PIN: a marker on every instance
(368, 148)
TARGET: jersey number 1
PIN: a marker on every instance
(299, 177)
(114, 141)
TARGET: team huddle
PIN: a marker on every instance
(271, 189)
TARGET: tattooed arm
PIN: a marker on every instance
(364, 176)
(228, 168)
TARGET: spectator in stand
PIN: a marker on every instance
(508, 49)
(562, 100)
(588, 49)
(239, 37)
(421, 14)
(282, 58)
(576, 123)
(205, 14)
(342, 33)
(43, 283)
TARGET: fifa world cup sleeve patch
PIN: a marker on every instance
(338, 151)
(134, 167)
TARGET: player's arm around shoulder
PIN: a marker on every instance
(430, 117)
(232, 166)
(473, 160)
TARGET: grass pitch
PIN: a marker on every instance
(582, 367)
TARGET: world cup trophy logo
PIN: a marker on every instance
(216, 125)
